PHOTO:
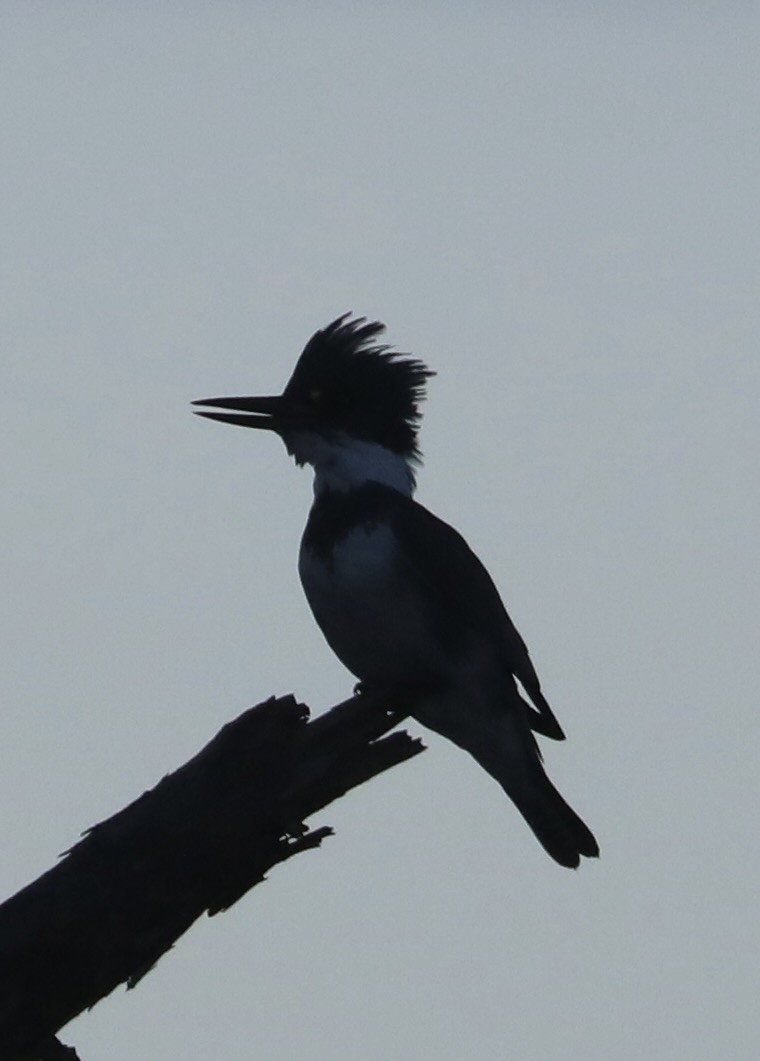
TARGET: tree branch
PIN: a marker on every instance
(197, 842)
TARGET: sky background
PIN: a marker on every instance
(556, 207)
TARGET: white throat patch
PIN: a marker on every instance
(342, 463)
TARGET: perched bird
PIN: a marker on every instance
(400, 597)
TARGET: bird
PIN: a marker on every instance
(399, 595)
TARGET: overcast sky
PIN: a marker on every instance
(558, 212)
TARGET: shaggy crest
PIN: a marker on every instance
(360, 386)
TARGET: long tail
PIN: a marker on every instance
(508, 751)
(557, 827)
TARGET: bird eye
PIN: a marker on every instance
(315, 395)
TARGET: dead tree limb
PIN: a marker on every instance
(197, 842)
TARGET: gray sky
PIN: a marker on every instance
(559, 213)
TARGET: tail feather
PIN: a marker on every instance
(505, 747)
(557, 827)
(519, 770)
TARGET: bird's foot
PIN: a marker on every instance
(396, 695)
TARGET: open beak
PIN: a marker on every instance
(268, 414)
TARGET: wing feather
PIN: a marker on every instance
(455, 577)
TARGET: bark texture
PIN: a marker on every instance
(197, 842)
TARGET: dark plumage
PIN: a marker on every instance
(359, 386)
(461, 593)
(399, 595)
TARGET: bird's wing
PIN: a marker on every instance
(468, 598)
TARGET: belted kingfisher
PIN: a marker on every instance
(400, 597)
